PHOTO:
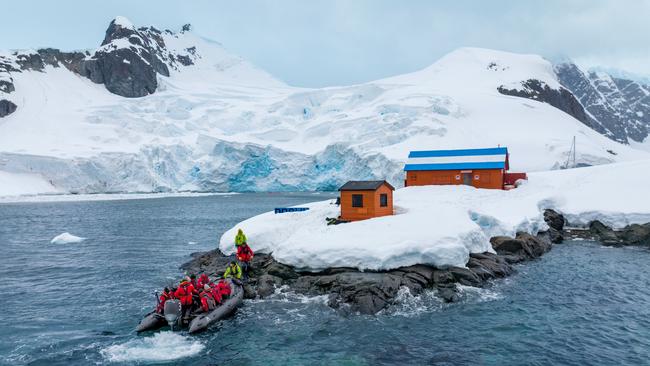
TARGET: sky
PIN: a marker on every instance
(315, 43)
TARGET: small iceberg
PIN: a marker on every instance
(67, 238)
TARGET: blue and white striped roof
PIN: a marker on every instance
(492, 158)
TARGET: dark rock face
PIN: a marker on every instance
(130, 71)
(6, 108)
(122, 72)
(127, 63)
(561, 99)
(618, 108)
(556, 222)
(7, 86)
(372, 291)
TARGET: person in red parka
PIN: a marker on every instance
(216, 295)
(203, 280)
(185, 293)
(245, 256)
(166, 295)
(224, 288)
(207, 302)
(194, 282)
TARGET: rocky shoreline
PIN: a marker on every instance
(369, 292)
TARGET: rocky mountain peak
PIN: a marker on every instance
(618, 108)
(120, 27)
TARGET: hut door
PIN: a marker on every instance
(467, 179)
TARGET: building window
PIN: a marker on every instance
(383, 200)
(357, 200)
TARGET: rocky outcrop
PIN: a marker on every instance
(561, 98)
(6, 108)
(618, 107)
(369, 292)
(128, 61)
(631, 235)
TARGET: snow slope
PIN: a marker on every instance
(441, 225)
(222, 124)
(14, 184)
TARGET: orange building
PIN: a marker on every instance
(362, 200)
(480, 168)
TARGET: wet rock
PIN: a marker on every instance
(372, 291)
(266, 285)
(554, 219)
(635, 234)
(6, 108)
(448, 293)
(465, 277)
(556, 222)
(282, 271)
(521, 248)
(603, 233)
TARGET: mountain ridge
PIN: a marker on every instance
(221, 124)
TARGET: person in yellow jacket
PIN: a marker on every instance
(233, 271)
(240, 238)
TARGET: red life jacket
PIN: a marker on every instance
(244, 253)
(184, 293)
(203, 280)
(161, 303)
(216, 295)
(205, 300)
(224, 288)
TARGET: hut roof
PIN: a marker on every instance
(364, 185)
(491, 158)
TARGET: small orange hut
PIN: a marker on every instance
(362, 200)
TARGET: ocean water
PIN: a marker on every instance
(78, 303)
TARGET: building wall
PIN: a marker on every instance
(481, 178)
(371, 205)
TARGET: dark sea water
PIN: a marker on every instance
(69, 304)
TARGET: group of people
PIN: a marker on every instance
(204, 294)
(195, 294)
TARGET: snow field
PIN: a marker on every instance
(441, 225)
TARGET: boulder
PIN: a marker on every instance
(523, 247)
(603, 233)
(7, 86)
(635, 234)
(6, 108)
(465, 277)
(266, 285)
(554, 219)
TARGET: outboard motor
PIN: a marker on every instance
(172, 312)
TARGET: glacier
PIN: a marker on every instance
(219, 123)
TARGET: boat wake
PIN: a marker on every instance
(163, 346)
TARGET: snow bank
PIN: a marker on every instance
(67, 238)
(441, 225)
(15, 184)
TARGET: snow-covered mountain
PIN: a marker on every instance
(154, 110)
(617, 107)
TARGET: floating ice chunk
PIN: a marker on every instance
(67, 238)
(164, 346)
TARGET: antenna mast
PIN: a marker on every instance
(571, 158)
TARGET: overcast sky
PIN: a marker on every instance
(321, 43)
